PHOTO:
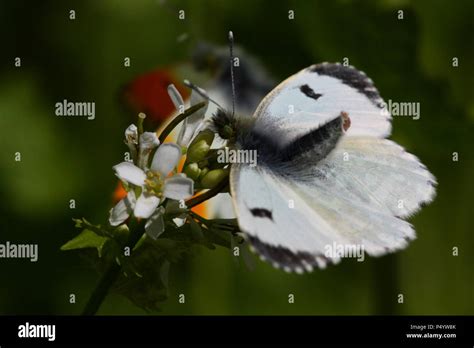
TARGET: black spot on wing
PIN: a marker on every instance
(352, 77)
(284, 258)
(309, 92)
(262, 212)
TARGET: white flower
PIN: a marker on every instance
(192, 124)
(155, 185)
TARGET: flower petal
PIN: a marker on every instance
(175, 97)
(192, 123)
(155, 225)
(166, 158)
(146, 206)
(122, 209)
(178, 188)
(130, 173)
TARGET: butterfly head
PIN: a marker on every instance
(224, 124)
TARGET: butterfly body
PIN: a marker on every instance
(313, 146)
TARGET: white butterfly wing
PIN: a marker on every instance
(378, 173)
(318, 94)
(292, 224)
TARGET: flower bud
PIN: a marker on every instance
(192, 171)
(204, 171)
(213, 177)
(131, 139)
(200, 146)
(198, 151)
(148, 141)
(207, 135)
(131, 134)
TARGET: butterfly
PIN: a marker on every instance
(326, 172)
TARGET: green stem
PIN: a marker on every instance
(199, 217)
(178, 119)
(113, 272)
(141, 118)
(100, 292)
(228, 227)
(208, 194)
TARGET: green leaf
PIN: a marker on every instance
(97, 229)
(144, 275)
(164, 272)
(218, 237)
(86, 239)
(147, 285)
(144, 279)
(196, 230)
(198, 235)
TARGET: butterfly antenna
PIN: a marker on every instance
(201, 92)
(231, 50)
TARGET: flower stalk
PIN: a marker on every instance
(113, 271)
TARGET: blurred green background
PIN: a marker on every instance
(71, 158)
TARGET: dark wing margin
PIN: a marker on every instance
(283, 258)
(352, 77)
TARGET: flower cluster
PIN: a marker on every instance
(151, 180)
